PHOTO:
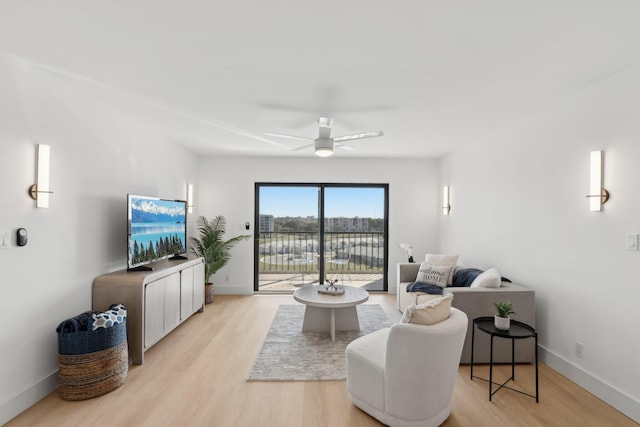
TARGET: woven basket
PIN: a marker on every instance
(75, 335)
(83, 376)
(91, 362)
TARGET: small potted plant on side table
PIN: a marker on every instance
(502, 320)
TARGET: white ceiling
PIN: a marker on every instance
(434, 75)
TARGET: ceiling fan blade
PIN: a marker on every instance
(344, 147)
(304, 147)
(280, 135)
(358, 136)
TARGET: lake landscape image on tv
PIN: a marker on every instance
(158, 229)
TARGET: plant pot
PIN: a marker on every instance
(502, 323)
(208, 293)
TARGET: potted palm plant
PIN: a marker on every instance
(210, 245)
(502, 320)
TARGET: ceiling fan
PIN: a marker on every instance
(324, 143)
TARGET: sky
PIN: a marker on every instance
(349, 202)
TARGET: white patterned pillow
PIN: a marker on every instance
(429, 313)
(434, 274)
(443, 260)
(116, 314)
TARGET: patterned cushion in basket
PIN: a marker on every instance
(117, 313)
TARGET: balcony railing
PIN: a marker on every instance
(291, 252)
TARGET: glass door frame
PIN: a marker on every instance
(321, 218)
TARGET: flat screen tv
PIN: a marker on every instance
(156, 228)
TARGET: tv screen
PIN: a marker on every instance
(157, 229)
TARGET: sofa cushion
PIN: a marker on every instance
(443, 260)
(434, 274)
(429, 313)
(488, 279)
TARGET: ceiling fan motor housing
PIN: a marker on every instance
(324, 147)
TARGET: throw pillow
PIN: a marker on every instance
(464, 277)
(434, 274)
(489, 279)
(443, 260)
(429, 313)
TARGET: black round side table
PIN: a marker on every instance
(518, 330)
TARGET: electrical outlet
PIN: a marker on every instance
(226, 278)
(579, 349)
(632, 242)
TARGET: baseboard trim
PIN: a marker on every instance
(622, 402)
(231, 290)
(19, 403)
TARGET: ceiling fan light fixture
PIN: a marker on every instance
(323, 144)
(324, 147)
(323, 152)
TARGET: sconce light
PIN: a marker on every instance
(446, 206)
(189, 198)
(40, 190)
(598, 195)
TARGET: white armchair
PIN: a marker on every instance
(404, 375)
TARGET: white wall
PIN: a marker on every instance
(98, 156)
(226, 187)
(518, 204)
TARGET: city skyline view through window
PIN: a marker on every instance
(304, 228)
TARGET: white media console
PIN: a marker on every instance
(157, 301)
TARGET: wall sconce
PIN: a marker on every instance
(446, 206)
(598, 195)
(40, 191)
(189, 198)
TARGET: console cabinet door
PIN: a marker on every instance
(186, 293)
(198, 286)
(171, 302)
(153, 312)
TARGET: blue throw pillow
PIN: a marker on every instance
(465, 277)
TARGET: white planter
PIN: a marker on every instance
(502, 323)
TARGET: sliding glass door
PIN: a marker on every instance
(287, 236)
(311, 233)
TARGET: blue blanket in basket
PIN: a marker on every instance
(92, 331)
(81, 322)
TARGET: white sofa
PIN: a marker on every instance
(404, 375)
(478, 302)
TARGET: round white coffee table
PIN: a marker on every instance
(330, 313)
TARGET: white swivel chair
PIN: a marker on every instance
(404, 375)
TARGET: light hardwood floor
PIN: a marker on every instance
(196, 376)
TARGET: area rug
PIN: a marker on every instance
(291, 355)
